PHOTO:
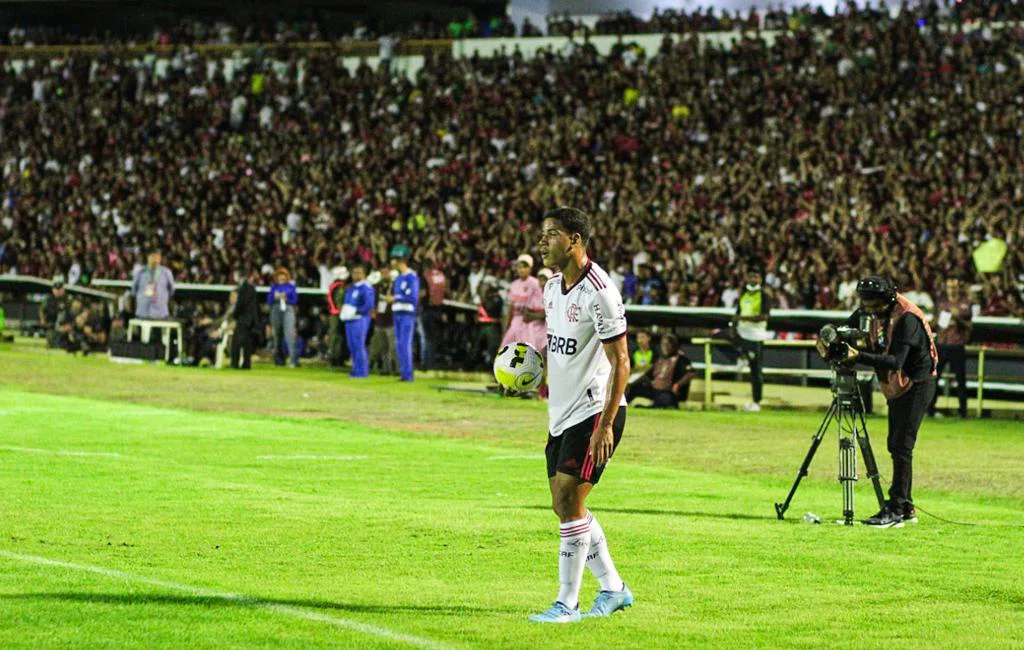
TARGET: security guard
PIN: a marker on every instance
(751, 331)
(359, 302)
(404, 300)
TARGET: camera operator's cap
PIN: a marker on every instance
(525, 259)
(399, 252)
(876, 287)
(340, 272)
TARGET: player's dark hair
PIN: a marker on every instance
(573, 221)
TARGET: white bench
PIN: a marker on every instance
(224, 348)
(166, 326)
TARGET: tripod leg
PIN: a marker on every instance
(780, 508)
(847, 476)
(869, 460)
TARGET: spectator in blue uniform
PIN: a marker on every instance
(404, 302)
(355, 313)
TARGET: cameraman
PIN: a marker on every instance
(902, 352)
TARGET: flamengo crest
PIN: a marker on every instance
(573, 314)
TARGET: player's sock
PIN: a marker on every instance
(572, 557)
(599, 560)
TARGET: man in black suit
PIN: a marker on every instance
(244, 314)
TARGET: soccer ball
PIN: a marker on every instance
(519, 367)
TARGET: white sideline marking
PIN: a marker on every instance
(518, 457)
(289, 610)
(60, 452)
(312, 457)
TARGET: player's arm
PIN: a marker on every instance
(610, 322)
(602, 442)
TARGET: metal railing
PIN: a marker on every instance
(711, 368)
(807, 320)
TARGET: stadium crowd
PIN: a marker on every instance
(669, 21)
(883, 147)
(197, 30)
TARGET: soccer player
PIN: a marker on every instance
(404, 300)
(588, 365)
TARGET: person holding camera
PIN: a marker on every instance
(901, 350)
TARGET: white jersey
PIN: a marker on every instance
(579, 320)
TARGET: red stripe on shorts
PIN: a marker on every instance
(588, 463)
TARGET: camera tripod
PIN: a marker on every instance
(847, 411)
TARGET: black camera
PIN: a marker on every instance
(838, 338)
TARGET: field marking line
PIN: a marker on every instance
(313, 457)
(61, 452)
(288, 610)
(518, 457)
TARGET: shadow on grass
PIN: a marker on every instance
(241, 601)
(663, 513)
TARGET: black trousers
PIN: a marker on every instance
(241, 348)
(433, 331)
(488, 340)
(755, 353)
(956, 357)
(905, 415)
(752, 350)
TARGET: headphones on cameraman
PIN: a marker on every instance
(877, 287)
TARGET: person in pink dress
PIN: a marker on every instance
(525, 320)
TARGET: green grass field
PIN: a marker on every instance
(147, 507)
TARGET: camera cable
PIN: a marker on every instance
(956, 523)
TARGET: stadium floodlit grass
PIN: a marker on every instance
(297, 509)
